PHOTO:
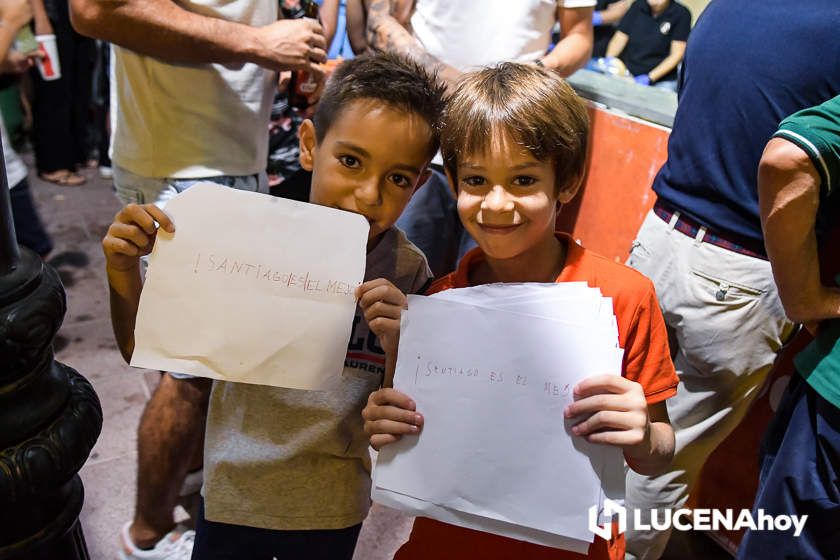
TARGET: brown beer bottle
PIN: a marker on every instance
(303, 83)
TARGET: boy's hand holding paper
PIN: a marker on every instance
(242, 292)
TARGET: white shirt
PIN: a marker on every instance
(192, 121)
(471, 33)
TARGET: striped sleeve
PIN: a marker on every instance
(817, 132)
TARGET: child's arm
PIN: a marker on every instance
(614, 411)
(382, 304)
(131, 236)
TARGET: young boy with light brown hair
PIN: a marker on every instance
(514, 147)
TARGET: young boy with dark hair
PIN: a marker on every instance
(287, 471)
(514, 146)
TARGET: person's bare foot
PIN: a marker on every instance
(63, 177)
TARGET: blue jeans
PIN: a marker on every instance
(800, 475)
(131, 188)
(222, 541)
(431, 222)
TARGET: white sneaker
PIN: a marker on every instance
(106, 172)
(171, 547)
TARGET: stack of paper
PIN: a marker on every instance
(492, 369)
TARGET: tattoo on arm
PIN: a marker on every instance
(386, 33)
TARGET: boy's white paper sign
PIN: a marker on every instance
(492, 385)
(251, 288)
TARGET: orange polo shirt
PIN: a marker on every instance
(647, 360)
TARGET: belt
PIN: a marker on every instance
(703, 234)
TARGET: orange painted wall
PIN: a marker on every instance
(624, 157)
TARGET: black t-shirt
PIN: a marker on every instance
(649, 36)
(603, 33)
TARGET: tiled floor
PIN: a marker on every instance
(77, 218)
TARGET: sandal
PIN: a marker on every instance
(64, 178)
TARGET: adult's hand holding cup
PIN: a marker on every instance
(48, 64)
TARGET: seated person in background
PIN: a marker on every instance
(604, 19)
(650, 41)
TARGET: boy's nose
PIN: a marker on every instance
(369, 193)
(497, 200)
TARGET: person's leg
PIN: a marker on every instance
(169, 436)
(81, 125)
(29, 229)
(431, 222)
(51, 112)
(723, 313)
(801, 480)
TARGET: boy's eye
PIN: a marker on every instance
(400, 180)
(524, 181)
(349, 161)
(473, 180)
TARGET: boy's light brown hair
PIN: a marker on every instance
(537, 108)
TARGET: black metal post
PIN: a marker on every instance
(50, 415)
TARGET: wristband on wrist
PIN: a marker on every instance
(597, 19)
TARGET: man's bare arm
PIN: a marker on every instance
(386, 33)
(575, 46)
(788, 194)
(357, 26)
(164, 30)
(329, 19)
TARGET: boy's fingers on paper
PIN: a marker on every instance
(596, 403)
(389, 427)
(130, 233)
(598, 384)
(369, 285)
(136, 214)
(605, 419)
(622, 438)
(161, 217)
(381, 292)
(115, 245)
(379, 440)
(393, 414)
(381, 316)
(389, 396)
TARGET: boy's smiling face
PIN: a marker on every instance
(370, 161)
(507, 199)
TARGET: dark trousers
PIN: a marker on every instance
(61, 108)
(221, 541)
(800, 475)
(29, 230)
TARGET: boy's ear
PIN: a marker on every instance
(568, 192)
(308, 144)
